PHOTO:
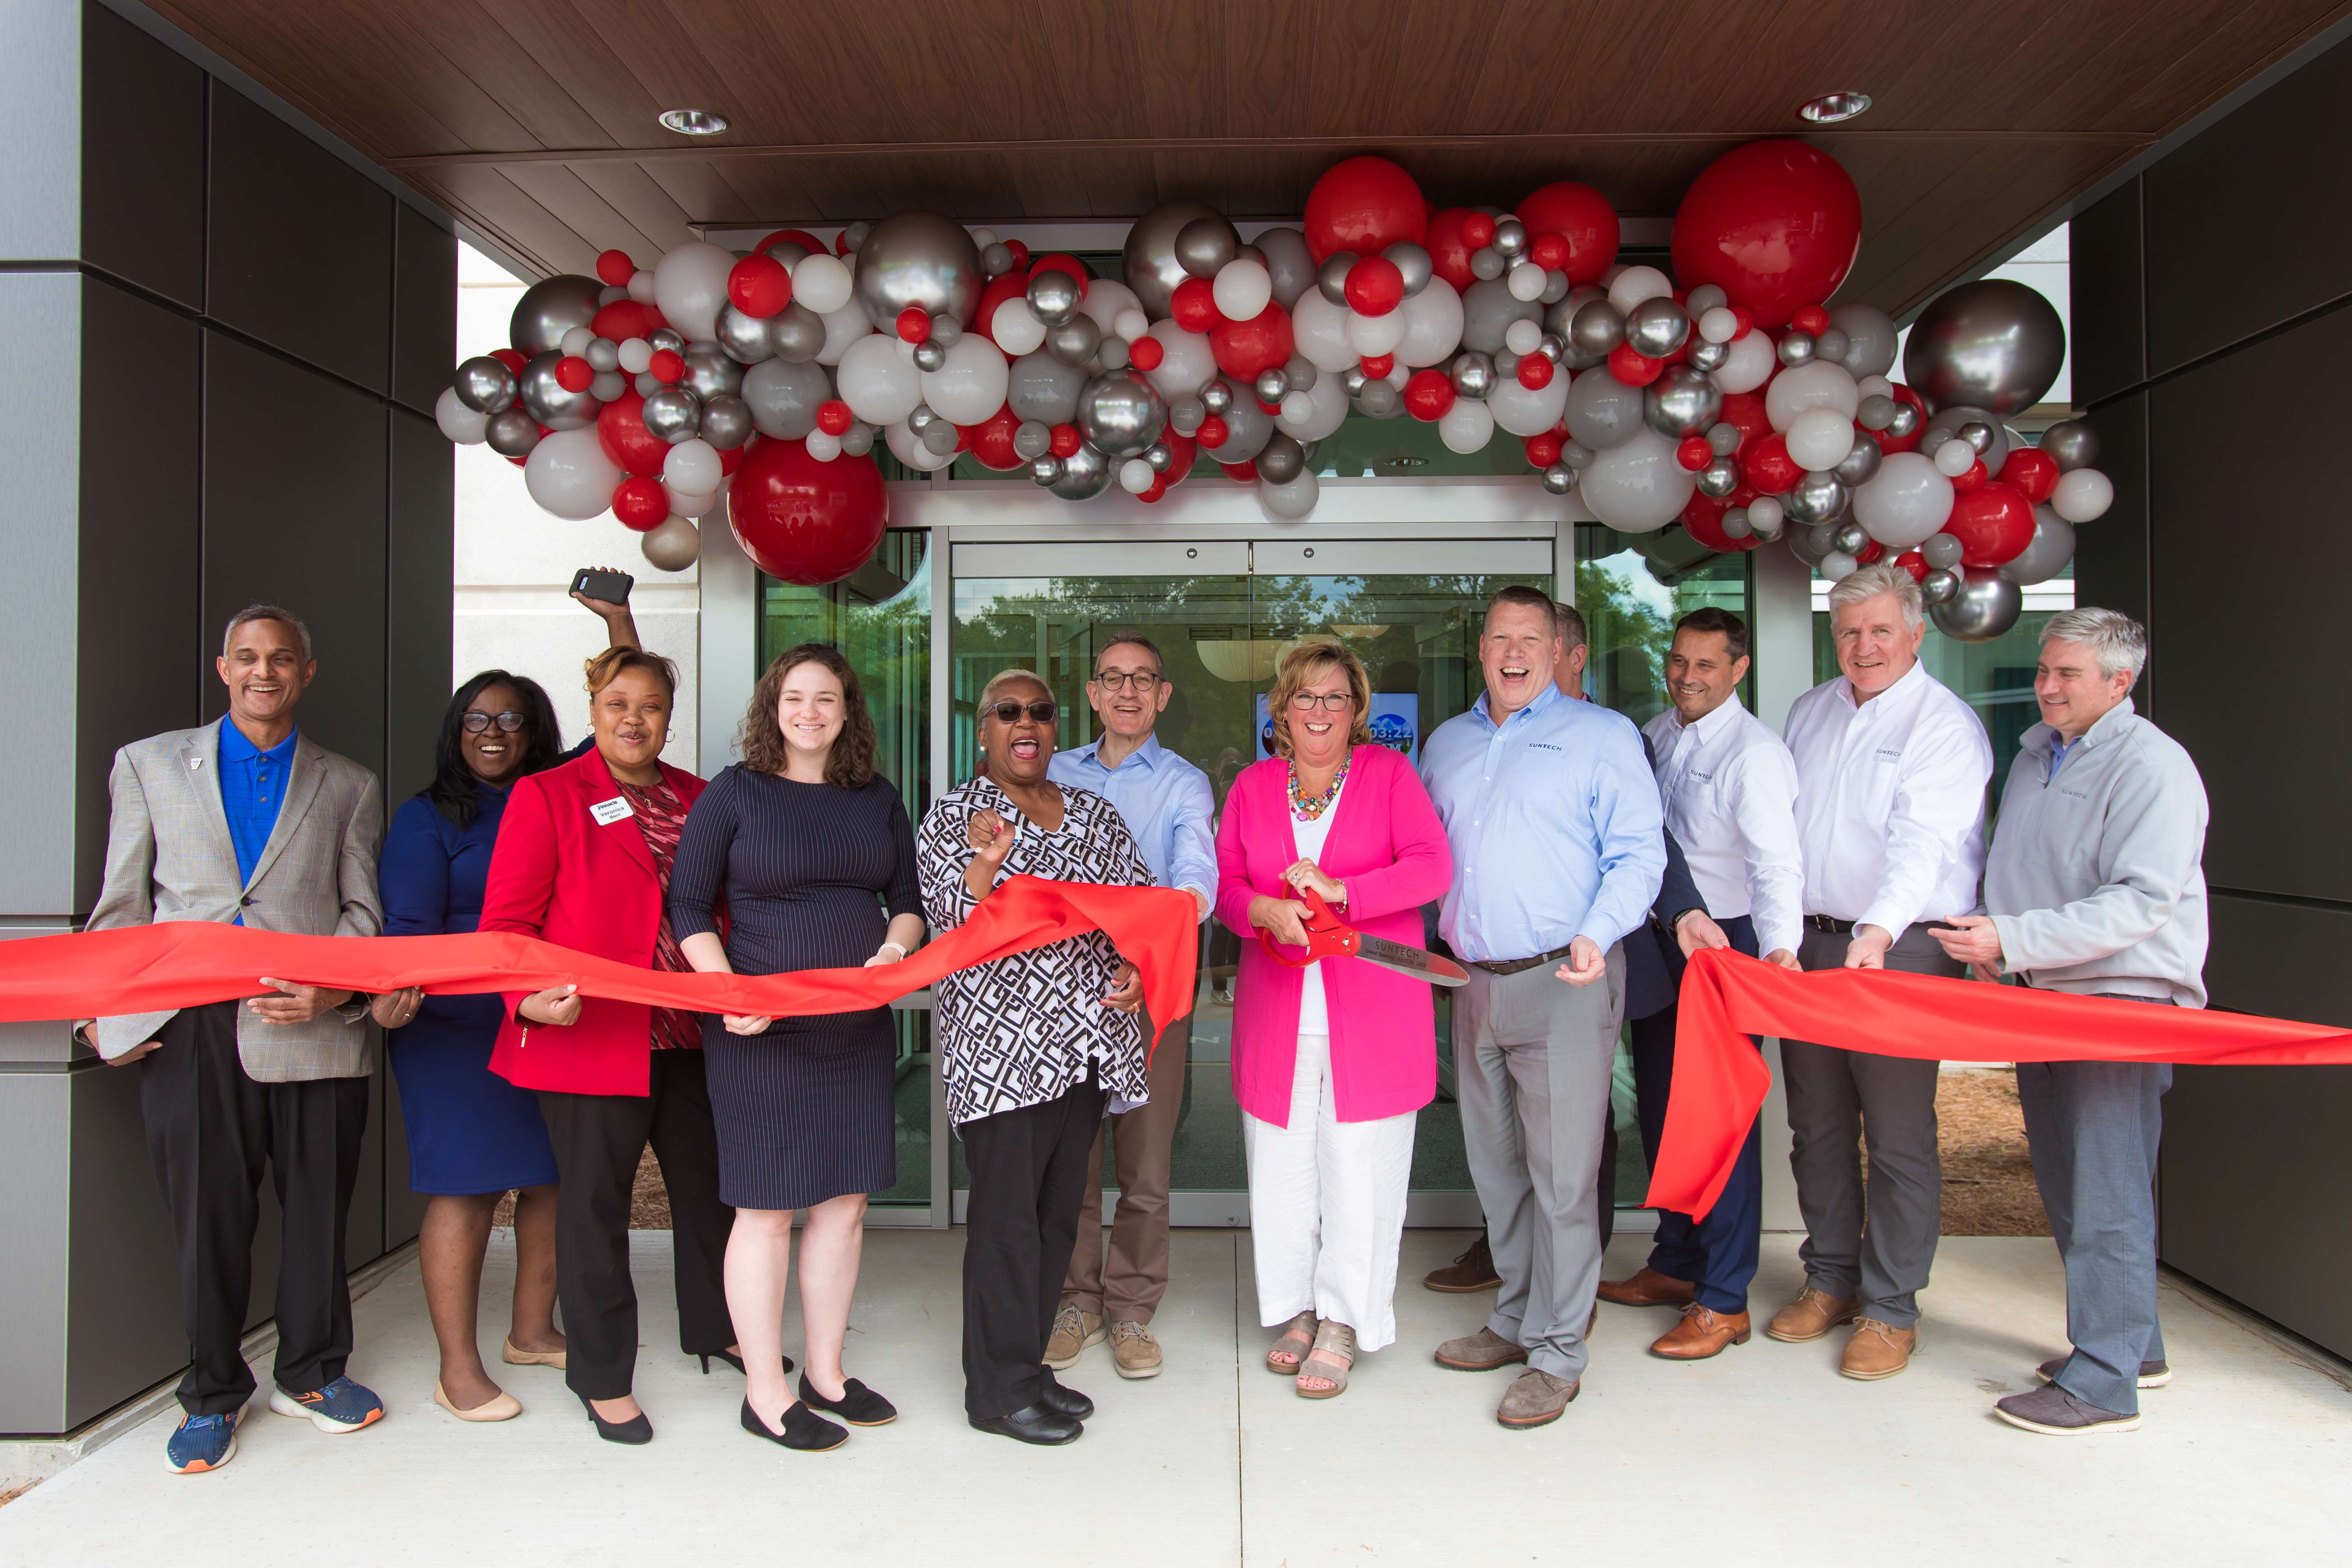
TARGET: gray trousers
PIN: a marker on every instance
(1836, 1099)
(1532, 1056)
(2093, 1128)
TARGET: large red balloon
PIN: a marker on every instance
(1244, 349)
(992, 441)
(1774, 223)
(620, 431)
(1744, 412)
(1364, 204)
(1583, 216)
(1702, 520)
(1449, 249)
(806, 522)
(1993, 522)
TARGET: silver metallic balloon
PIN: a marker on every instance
(1281, 461)
(918, 258)
(1875, 411)
(1039, 387)
(1054, 295)
(2073, 443)
(1044, 468)
(1120, 413)
(1351, 382)
(1414, 261)
(1272, 384)
(1205, 245)
(1289, 263)
(1850, 536)
(797, 333)
(1150, 264)
(1185, 414)
(1487, 264)
(1976, 433)
(668, 338)
(511, 432)
(1597, 328)
(858, 439)
(921, 419)
(1510, 241)
(1905, 420)
(1331, 278)
(1032, 438)
(1160, 456)
(2047, 556)
(784, 395)
(1705, 355)
(1681, 402)
(1940, 586)
(940, 437)
(1817, 498)
(1489, 308)
(673, 413)
(550, 307)
(1551, 346)
(543, 397)
(486, 386)
(745, 338)
(1992, 344)
(931, 355)
(1472, 375)
(791, 252)
(711, 373)
(1085, 474)
(1796, 349)
(1217, 398)
(1859, 466)
(1559, 478)
(1299, 373)
(1656, 327)
(1871, 336)
(1943, 550)
(725, 422)
(1075, 339)
(1987, 604)
(1719, 477)
(1959, 419)
(996, 258)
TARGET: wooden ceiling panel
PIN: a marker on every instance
(639, 200)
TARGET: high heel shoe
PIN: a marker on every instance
(500, 1406)
(635, 1431)
(804, 1429)
(732, 1358)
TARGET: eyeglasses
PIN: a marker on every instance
(476, 721)
(1121, 679)
(1329, 701)
(1010, 712)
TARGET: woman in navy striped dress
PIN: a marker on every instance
(813, 856)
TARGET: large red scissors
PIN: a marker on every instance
(1328, 936)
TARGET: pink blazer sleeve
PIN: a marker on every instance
(1423, 867)
(1234, 890)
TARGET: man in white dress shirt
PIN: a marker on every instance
(1891, 770)
(1730, 792)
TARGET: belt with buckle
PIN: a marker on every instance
(1824, 922)
(1514, 965)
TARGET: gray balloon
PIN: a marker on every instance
(1555, 288)
(725, 422)
(511, 432)
(1943, 550)
(603, 354)
(1992, 344)
(1039, 387)
(791, 252)
(784, 395)
(1282, 460)
(1487, 264)
(608, 386)
(918, 258)
(486, 386)
(1987, 604)
(2073, 443)
(1940, 585)
(710, 373)
(1735, 523)
(1414, 263)
(1378, 400)
(1875, 411)
(1120, 413)
(1075, 339)
(1032, 438)
(674, 414)
(1331, 278)
(1150, 264)
(1289, 263)
(855, 237)
(858, 439)
(1185, 414)
(996, 258)
(1831, 344)
(1859, 466)
(1995, 451)
(2053, 547)
(940, 437)
(1054, 295)
(1248, 428)
(1723, 439)
(1656, 327)
(1085, 474)
(1487, 311)
(1817, 498)
(550, 307)
(1681, 402)
(745, 338)
(1577, 455)
(610, 294)
(1300, 374)
(543, 397)
(1603, 412)
(1596, 329)
(1806, 547)
(1112, 353)
(1704, 297)
(1205, 244)
(647, 384)
(1250, 253)
(796, 332)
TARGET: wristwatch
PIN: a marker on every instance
(1682, 915)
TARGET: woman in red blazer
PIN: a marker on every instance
(583, 859)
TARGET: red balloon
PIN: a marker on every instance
(1774, 223)
(1020, 249)
(833, 417)
(1428, 394)
(1536, 371)
(1549, 251)
(914, 325)
(2032, 472)
(574, 375)
(1066, 440)
(1478, 229)
(1543, 450)
(1241, 473)
(1449, 248)
(1811, 319)
(1158, 488)
(1869, 552)
(1365, 204)
(1971, 478)
(1012, 286)
(1183, 452)
(668, 366)
(760, 286)
(1993, 522)
(1580, 215)
(626, 319)
(1744, 412)
(731, 458)
(615, 268)
(799, 236)
(992, 441)
(1193, 305)
(1146, 353)
(640, 503)
(1633, 367)
(805, 522)
(620, 431)
(1375, 286)
(513, 359)
(1213, 433)
(1768, 465)
(1694, 453)
(1913, 562)
(1244, 349)
(1059, 262)
(1702, 519)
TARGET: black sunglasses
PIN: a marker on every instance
(1010, 712)
(476, 721)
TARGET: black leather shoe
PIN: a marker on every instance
(858, 1405)
(635, 1431)
(1064, 1401)
(804, 1429)
(1034, 1425)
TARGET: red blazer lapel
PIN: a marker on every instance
(596, 786)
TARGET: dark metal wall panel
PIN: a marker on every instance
(2239, 235)
(424, 309)
(418, 569)
(300, 245)
(2108, 319)
(2111, 564)
(143, 171)
(123, 1289)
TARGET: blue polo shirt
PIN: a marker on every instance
(253, 789)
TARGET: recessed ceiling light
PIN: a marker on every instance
(702, 122)
(1826, 110)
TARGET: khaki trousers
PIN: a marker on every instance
(1127, 1289)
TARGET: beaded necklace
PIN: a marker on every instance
(1307, 810)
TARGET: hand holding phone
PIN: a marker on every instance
(603, 584)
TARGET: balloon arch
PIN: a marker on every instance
(1730, 397)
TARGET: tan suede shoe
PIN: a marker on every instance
(1812, 1314)
(1647, 1288)
(1703, 1332)
(1481, 1352)
(1877, 1350)
(1133, 1351)
(1535, 1399)
(1074, 1331)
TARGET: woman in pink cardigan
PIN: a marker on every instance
(1330, 1062)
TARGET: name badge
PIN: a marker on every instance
(608, 811)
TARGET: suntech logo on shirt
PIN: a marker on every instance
(1542, 746)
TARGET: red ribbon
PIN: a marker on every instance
(186, 964)
(1719, 1080)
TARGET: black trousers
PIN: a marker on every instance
(598, 1140)
(210, 1126)
(1028, 1177)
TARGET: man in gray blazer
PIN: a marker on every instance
(246, 822)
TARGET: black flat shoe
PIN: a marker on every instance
(1064, 1401)
(804, 1429)
(635, 1431)
(858, 1405)
(732, 1358)
(1034, 1425)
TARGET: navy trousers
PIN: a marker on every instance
(1718, 1254)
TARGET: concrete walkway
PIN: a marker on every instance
(1764, 1456)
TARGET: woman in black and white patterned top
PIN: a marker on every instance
(1034, 1048)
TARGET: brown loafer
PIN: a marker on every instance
(1812, 1314)
(1647, 1288)
(1877, 1350)
(1703, 1332)
(1473, 1271)
(1481, 1352)
(1535, 1399)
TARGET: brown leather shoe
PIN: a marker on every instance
(1812, 1314)
(1647, 1288)
(1473, 1271)
(1877, 1350)
(1703, 1332)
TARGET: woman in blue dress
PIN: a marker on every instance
(472, 1136)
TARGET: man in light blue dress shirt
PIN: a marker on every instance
(1167, 803)
(1558, 837)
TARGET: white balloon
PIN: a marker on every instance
(1016, 328)
(2083, 494)
(568, 475)
(682, 504)
(1320, 330)
(1186, 363)
(843, 328)
(1523, 412)
(821, 283)
(692, 468)
(969, 388)
(1467, 427)
(1639, 486)
(1291, 502)
(1820, 438)
(1765, 513)
(1953, 457)
(1372, 335)
(1749, 364)
(1432, 324)
(464, 426)
(690, 284)
(1296, 408)
(1131, 323)
(1817, 384)
(821, 446)
(641, 285)
(1905, 503)
(1522, 336)
(908, 449)
(636, 352)
(1135, 475)
(1525, 280)
(1837, 565)
(1242, 289)
(671, 546)
(1326, 406)
(576, 342)
(1718, 325)
(1637, 284)
(1107, 301)
(879, 387)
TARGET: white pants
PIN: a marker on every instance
(1327, 1207)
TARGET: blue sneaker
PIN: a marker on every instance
(201, 1443)
(341, 1406)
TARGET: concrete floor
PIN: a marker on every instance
(1763, 1455)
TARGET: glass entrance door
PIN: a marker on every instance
(1223, 613)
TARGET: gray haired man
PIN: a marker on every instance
(2093, 886)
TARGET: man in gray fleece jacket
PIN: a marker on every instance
(2093, 886)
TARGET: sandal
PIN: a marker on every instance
(1331, 1360)
(1297, 1338)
